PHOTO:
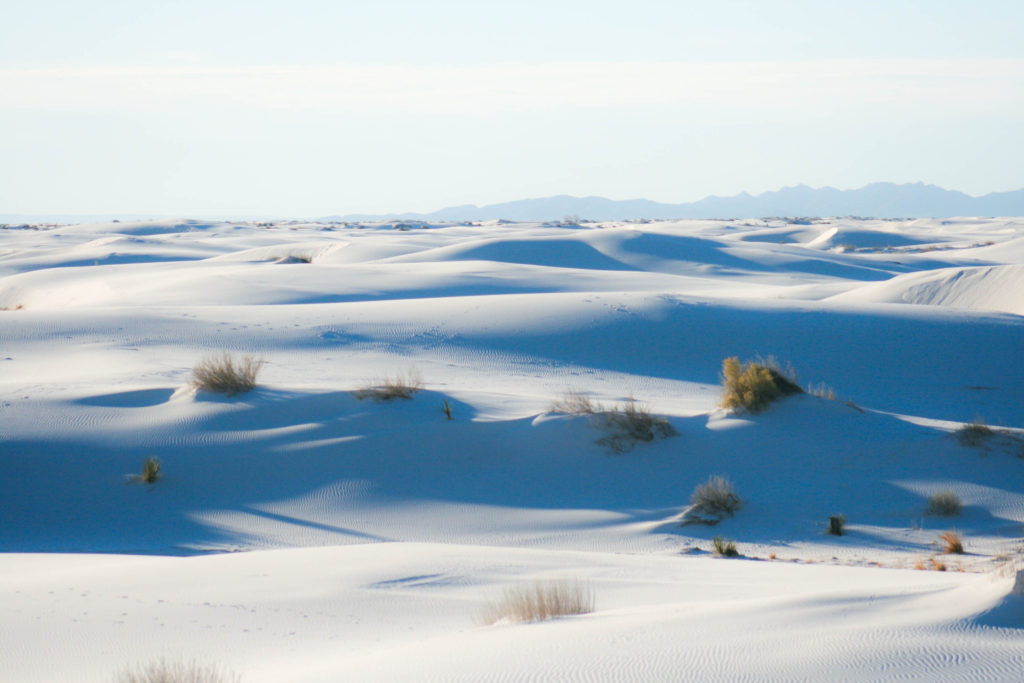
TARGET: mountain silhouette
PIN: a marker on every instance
(877, 200)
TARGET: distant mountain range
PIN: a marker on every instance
(878, 200)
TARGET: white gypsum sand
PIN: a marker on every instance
(375, 531)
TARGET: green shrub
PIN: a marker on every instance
(752, 386)
(836, 524)
(224, 375)
(724, 547)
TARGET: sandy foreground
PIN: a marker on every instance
(300, 533)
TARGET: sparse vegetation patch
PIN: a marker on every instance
(224, 375)
(539, 601)
(974, 434)
(625, 425)
(724, 547)
(944, 503)
(400, 386)
(752, 386)
(631, 423)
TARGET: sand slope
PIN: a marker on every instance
(375, 531)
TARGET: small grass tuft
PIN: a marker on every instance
(447, 407)
(974, 434)
(164, 671)
(713, 501)
(752, 386)
(224, 375)
(538, 601)
(836, 524)
(724, 547)
(400, 386)
(944, 503)
(952, 543)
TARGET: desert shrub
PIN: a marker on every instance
(150, 471)
(836, 524)
(974, 434)
(714, 500)
(224, 375)
(164, 671)
(944, 503)
(540, 600)
(390, 388)
(952, 543)
(724, 547)
(753, 385)
(625, 425)
(631, 423)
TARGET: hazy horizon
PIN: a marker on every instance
(313, 108)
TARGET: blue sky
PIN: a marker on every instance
(309, 107)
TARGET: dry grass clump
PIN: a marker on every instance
(150, 471)
(164, 671)
(539, 601)
(224, 375)
(974, 434)
(574, 402)
(724, 547)
(952, 543)
(944, 503)
(631, 423)
(713, 501)
(390, 388)
(753, 385)
(626, 424)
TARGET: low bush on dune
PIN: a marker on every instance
(625, 425)
(752, 386)
(974, 434)
(390, 388)
(944, 503)
(630, 424)
(713, 501)
(150, 471)
(164, 671)
(837, 525)
(539, 601)
(224, 375)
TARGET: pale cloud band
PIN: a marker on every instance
(959, 86)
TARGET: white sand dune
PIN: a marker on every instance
(301, 534)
